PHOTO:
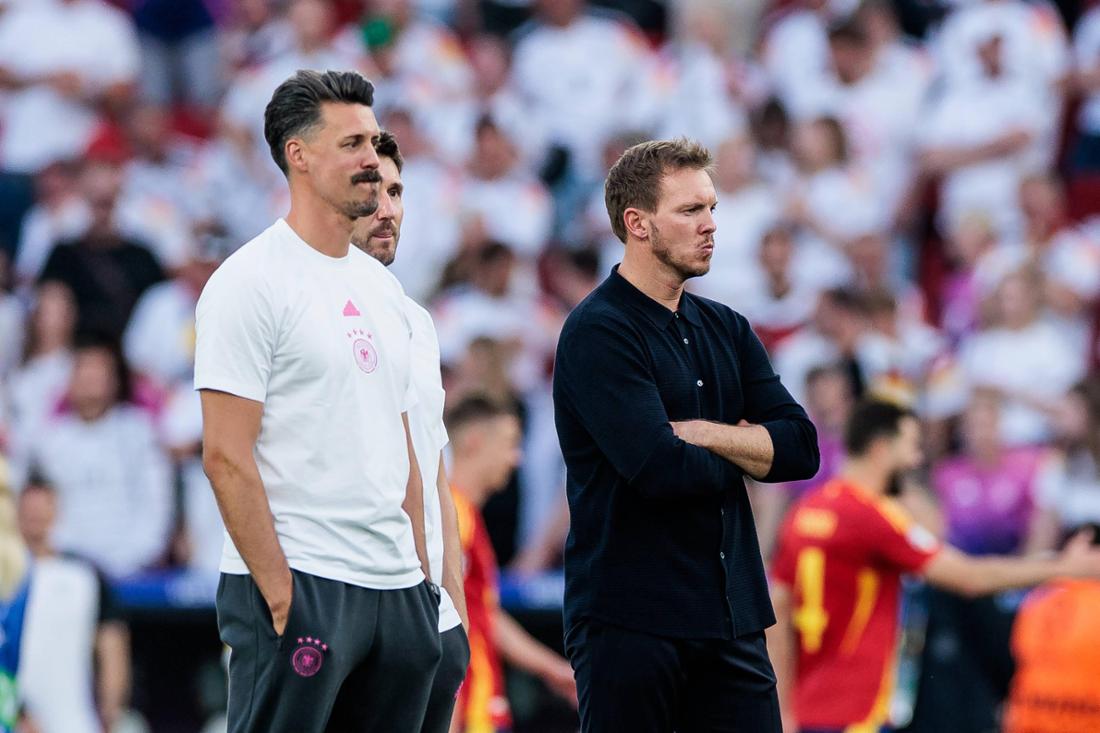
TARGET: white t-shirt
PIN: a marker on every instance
(159, 341)
(1036, 361)
(515, 209)
(88, 37)
(990, 187)
(1070, 486)
(324, 344)
(56, 671)
(429, 436)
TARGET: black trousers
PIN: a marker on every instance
(448, 678)
(632, 681)
(352, 659)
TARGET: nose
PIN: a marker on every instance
(370, 158)
(709, 225)
(386, 209)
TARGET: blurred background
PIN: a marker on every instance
(907, 199)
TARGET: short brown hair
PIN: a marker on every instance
(635, 180)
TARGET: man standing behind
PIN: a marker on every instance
(664, 401)
(303, 362)
(378, 235)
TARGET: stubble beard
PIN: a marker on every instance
(663, 253)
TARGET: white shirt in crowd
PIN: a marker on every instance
(796, 57)
(1035, 361)
(698, 105)
(1069, 485)
(433, 201)
(39, 124)
(429, 437)
(324, 344)
(56, 668)
(159, 340)
(991, 187)
(114, 488)
(515, 210)
(1035, 48)
(584, 104)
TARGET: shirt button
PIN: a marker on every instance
(699, 383)
(676, 316)
(722, 555)
(686, 341)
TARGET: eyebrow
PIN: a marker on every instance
(399, 186)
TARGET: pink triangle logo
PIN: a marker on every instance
(351, 310)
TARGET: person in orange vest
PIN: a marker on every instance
(1056, 643)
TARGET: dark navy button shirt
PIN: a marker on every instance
(661, 535)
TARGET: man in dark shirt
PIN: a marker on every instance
(106, 271)
(664, 401)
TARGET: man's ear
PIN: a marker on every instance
(296, 158)
(636, 224)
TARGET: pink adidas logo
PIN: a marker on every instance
(351, 310)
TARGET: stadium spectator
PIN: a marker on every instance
(106, 270)
(60, 213)
(1024, 358)
(775, 304)
(75, 671)
(1068, 492)
(179, 53)
(1085, 155)
(509, 203)
(38, 385)
(982, 158)
(114, 491)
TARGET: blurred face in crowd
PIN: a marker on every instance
(37, 513)
(1041, 200)
(736, 163)
(339, 160)
(1018, 299)
(776, 251)
(489, 60)
(94, 386)
(1071, 419)
(378, 234)
(814, 146)
(982, 424)
(829, 398)
(681, 230)
(560, 12)
(149, 129)
(852, 58)
(100, 183)
(495, 154)
(493, 275)
(990, 56)
(311, 20)
(971, 238)
(492, 448)
(53, 321)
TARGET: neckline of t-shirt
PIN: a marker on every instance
(309, 251)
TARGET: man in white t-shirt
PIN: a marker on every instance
(303, 358)
(377, 235)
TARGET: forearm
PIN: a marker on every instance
(246, 514)
(113, 673)
(452, 546)
(520, 649)
(985, 575)
(414, 503)
(747, 446)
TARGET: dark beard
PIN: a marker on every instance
(359, 209)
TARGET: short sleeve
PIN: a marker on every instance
(896, 540)
(235, 336)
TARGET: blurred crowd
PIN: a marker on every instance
(906, 192)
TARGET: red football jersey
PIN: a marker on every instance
(482, 705)
(842, 551)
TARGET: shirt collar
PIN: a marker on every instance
(659, 315)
